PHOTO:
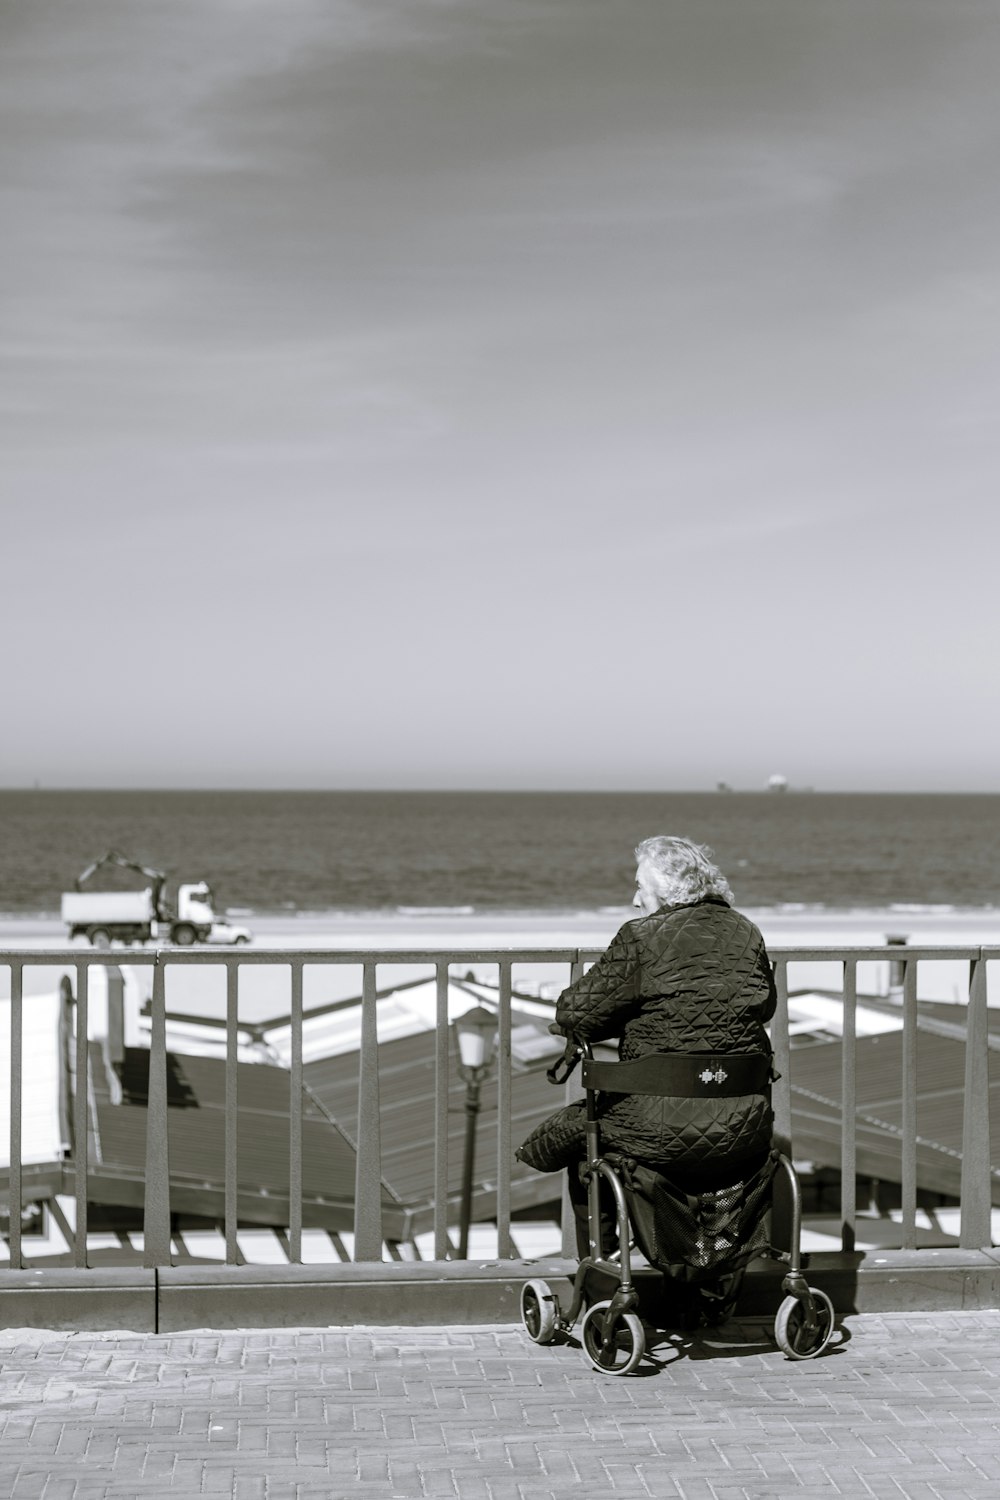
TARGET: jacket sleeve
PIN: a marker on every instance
(597, 1005)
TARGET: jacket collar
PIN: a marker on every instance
(685, 905)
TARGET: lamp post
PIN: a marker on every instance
(477, 1034)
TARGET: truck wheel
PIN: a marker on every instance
(184, 935)
(100, 937)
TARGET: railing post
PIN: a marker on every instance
(368, 1177)
(974, 1233)
(16, 1060)
(442, 1085)
(156, 1214)
(848, 1108)
(232, 1113)
(505, 1246)
(908, 1175)
(295, 1121)
(81, 1114)
(571, 1091)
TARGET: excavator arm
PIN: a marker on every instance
(121, 861)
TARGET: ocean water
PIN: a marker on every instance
(505, 851)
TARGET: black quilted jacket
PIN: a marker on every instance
(693, 978)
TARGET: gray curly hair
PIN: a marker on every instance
(681, 871)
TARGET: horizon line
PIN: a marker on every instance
(531, 791)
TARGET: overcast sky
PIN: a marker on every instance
(514, 393)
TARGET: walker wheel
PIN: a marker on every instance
(627, 1347)
(539, 1311)
(792, 1336)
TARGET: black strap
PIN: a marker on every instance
(683, 1075)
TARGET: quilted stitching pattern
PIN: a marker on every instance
(557, 1142)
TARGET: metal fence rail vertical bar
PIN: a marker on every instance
(368, 1178)
(295, 1119)
(908, 1184)
(570, 1091)
(16, 1087)
(232, 1115)
(505, 1245)
(782, 1091)
(442, 1069)
(848, 1108)
(976, 1196)
(81, 1113)
(156, 1216)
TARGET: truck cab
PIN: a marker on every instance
(194, 918)
(195, 904)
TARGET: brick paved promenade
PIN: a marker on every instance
(907, 1405)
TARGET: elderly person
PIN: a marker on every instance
(689, 974)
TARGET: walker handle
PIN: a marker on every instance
(564, 1066)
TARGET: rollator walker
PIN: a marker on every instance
(698, 1243)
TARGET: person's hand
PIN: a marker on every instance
(556, 1029)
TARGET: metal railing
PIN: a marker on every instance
(977, 1174)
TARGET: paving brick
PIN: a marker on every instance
(185, 1474)
(217, 1481)
(251, 1487)
(60, 1488)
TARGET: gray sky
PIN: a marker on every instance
(538, 393)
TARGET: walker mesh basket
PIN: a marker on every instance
(703, 1241)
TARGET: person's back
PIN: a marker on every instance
(690, 975)
(690, 978)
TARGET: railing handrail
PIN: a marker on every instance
(481, 953)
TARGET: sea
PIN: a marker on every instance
(286, 852)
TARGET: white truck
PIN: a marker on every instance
(136, 916)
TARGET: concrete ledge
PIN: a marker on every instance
(451, 1292)
(378, 1294)
(885, 1281)
(82, 1301)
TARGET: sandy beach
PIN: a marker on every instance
(482, 929)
